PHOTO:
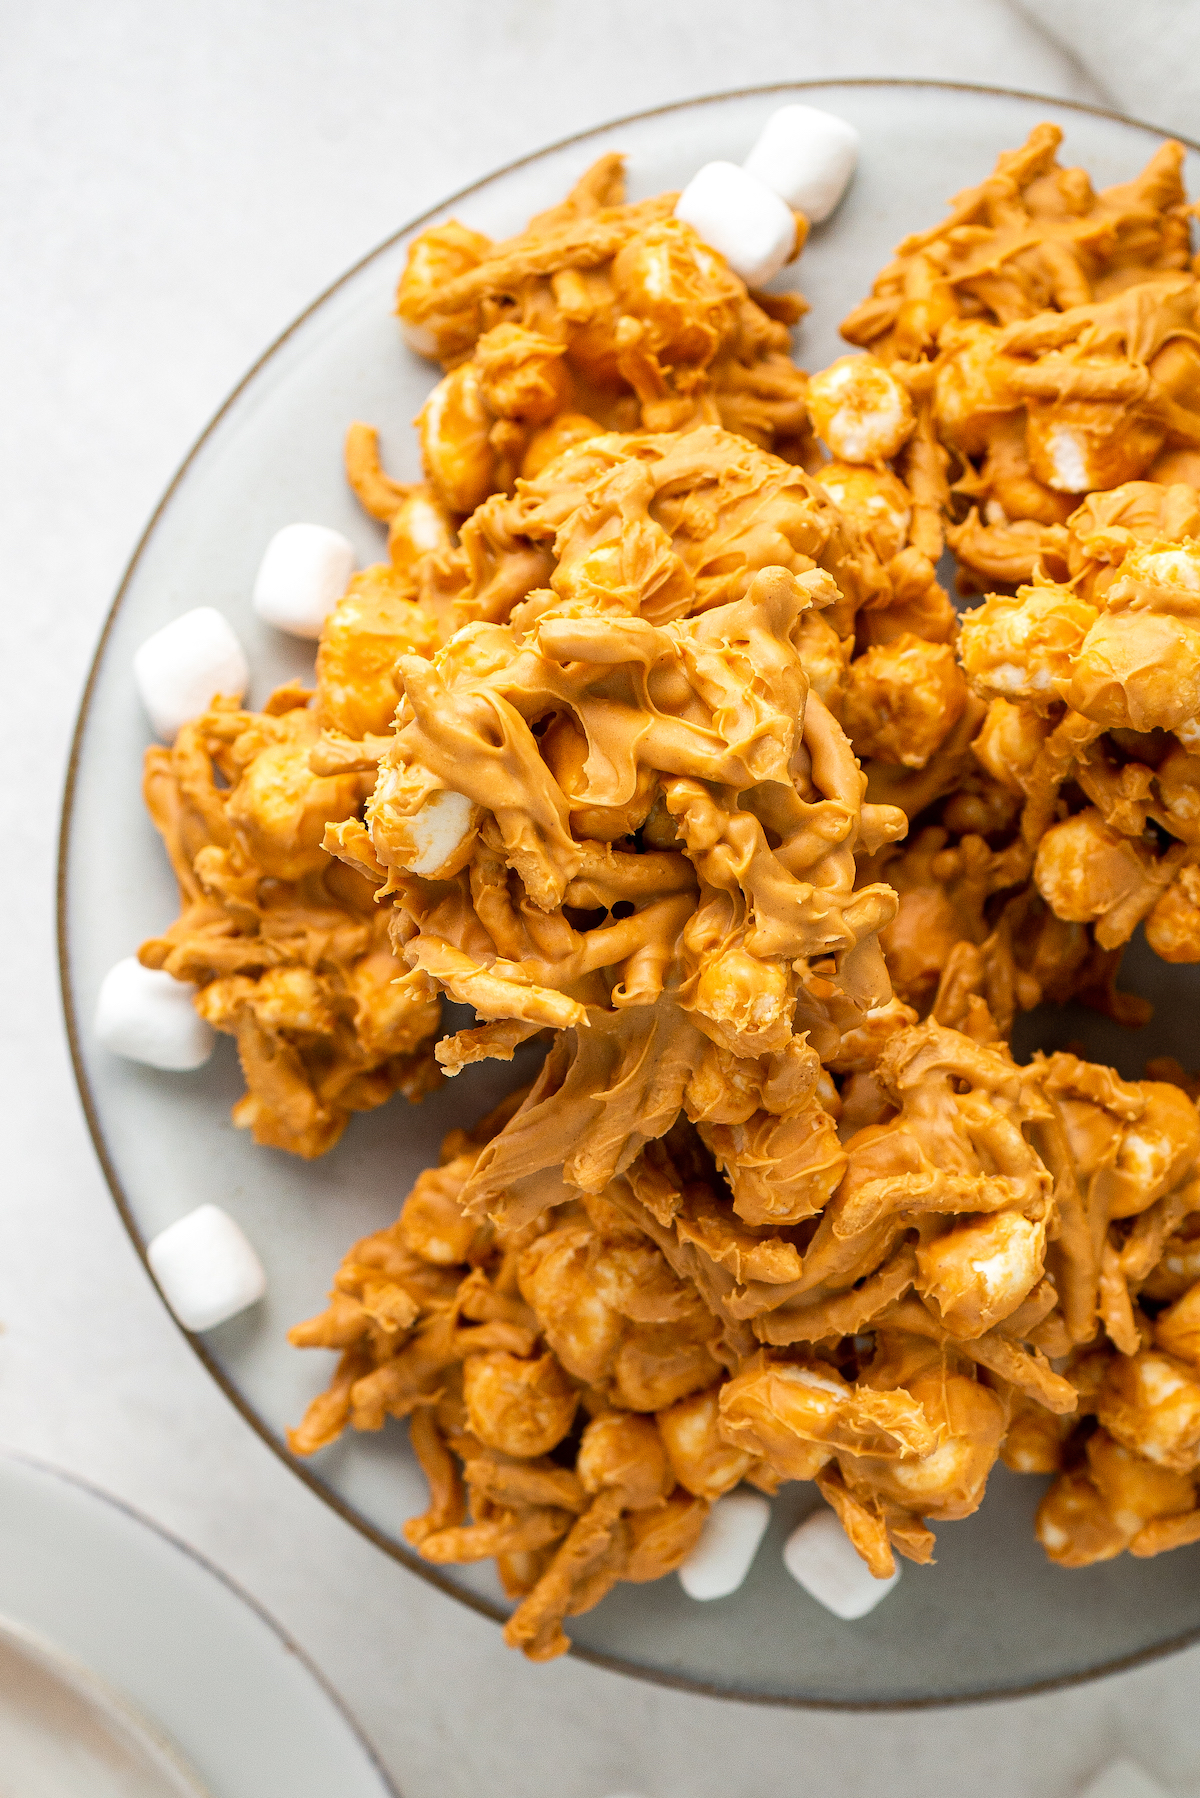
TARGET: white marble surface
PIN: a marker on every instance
(175, 183)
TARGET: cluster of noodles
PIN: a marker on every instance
(589, 1371)
(600, 316)
(1047, 334)
(592, 1369)
(620, 749)
(1093, 724)
(620, 783)
(1048, 338)
(603, 317)
(1128, 1460)
(502, 1341)
(287, 947)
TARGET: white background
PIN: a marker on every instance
(175, 183)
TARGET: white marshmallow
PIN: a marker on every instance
(206, 1269)
(180, 669)
(1123, 1779)
(807, 157)
(146, 1015)
(1070, 460)
(421, 338)
(437, 830)
(728, 1544)
(742, 218)
(820, 1556)
(301, 578)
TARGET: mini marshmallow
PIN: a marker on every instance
(728, 1544)
(301, 578)
(861, 410)
(180, 669)
(438, 829)
(148, 1016)
(421, 338)
(742, 218)
(1070, 461)
(820, 1556)
(807, 157)
(205, 1268)
(1123, 1779)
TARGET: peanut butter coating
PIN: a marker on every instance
(657, 740)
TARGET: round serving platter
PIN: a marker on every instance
(993, 1617)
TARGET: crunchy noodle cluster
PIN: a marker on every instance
(658, 739)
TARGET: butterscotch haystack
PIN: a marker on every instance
(657, 740)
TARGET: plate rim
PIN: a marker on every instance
(34, 1463)
(105, 1697)
(349, 1513)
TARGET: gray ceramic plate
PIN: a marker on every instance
(992, 1616)
(130, 1668)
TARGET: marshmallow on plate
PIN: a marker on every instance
(807, 157)
(1123, 1779)
(742, 218)
(206, 1269)
(180, 669)
(301, 577)
(728, 1544)
(820, 1556)
(148, 1016)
